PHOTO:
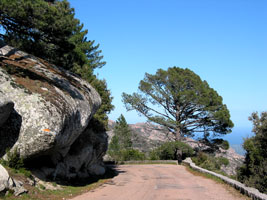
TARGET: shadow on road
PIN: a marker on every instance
(111, 171)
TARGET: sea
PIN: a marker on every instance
(236, 138)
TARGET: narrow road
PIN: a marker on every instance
(159, 182)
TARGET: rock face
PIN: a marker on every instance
(52, 110)
(235, 160)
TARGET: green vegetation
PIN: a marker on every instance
(167, 151)
(49, 30)
(131, 154)
(181, 102)
(209, 162)
(254, 171)
(224, 144)
(120, 147)
(15, 163)
(13, 159)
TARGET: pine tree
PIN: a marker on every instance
(181, 102)
(121, 140)
(123, 132)
(49, 30)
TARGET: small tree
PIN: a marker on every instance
(121, 140)
(254, 170)
(180, 101)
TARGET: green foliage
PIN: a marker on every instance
(121, 140)
(15, 163)
(210, 162)
(126, 155)
(100, 118)
(167, 151)
(50, 31)
(187, 104)
(224, 144)
(13, 159)
(131, 154)
(254, 171)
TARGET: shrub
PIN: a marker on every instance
(16, 163)
(224, 144)
(132, 154)
(209, 162)
(223, 161)
(167, 151)
(13, 159)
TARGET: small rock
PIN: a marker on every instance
(30, 182)
(19, 190)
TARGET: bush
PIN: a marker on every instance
(167, 151)
(224, 144)
(126, 155)
(13, 160)
(209, 162)
(16, 163)
(132, 154)
(223, 161)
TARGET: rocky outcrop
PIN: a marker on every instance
(235, 160)
(8, 183)
(52, 111)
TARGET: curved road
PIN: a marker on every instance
(159, 182)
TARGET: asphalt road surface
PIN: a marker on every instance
(160, 182)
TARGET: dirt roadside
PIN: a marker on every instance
(160, 182)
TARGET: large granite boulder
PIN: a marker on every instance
(52, 109)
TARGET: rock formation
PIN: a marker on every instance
(49, 124)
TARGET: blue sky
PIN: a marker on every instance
(224, 42)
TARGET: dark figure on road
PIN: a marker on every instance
(179, 155)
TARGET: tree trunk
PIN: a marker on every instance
(178, 134)
(178, 129)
